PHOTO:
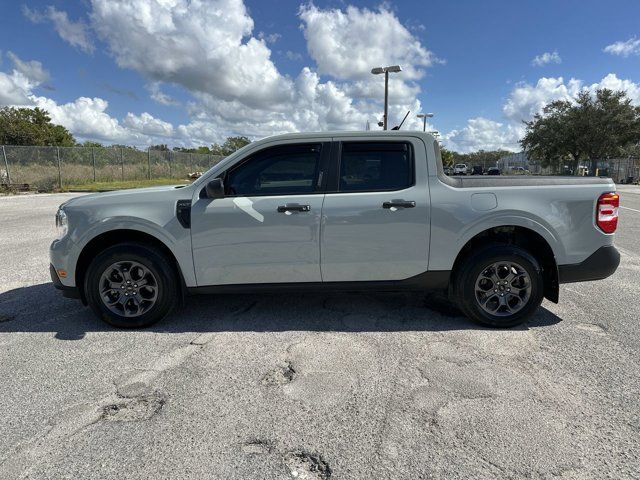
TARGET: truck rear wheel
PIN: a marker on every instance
(499, 286)
(131, 285)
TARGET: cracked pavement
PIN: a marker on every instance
(315, 386)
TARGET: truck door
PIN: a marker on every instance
(375, 218)
(266, 228)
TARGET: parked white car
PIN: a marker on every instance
(460, 169)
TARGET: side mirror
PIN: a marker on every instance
(215, 188)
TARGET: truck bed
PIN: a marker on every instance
(476, 181)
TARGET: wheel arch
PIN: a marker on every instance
(113, 237)
(522, 237)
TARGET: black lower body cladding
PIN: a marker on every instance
(600, 264)
(67, 292)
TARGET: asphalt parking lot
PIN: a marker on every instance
(315, 386)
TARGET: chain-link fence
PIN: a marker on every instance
(46, 168)
(621, 170)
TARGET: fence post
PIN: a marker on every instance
(59, 169)
(149, 162)
(6, 165)
(93, 160)
(122, 162)
(169, 163)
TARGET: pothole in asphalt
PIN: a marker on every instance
(133, 409)
(6, 318)
(281, 375)
(305, 466)
(440, 303)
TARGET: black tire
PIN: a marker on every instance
(165, 277)
(474, 269)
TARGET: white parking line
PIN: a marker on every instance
(632, 209)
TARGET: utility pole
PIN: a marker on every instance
(6, 165)
(386, 70)
(424, 117)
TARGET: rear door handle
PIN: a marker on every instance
(294, 207)
(399, 204)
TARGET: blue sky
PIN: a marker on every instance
(193, 72)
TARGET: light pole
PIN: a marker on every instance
(386, 70)
(424, 117)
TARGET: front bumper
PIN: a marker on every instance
(68, 292)
(600, 264)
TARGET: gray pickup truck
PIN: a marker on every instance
(368, 211)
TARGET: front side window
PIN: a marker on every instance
(286, 170)
(376, 166)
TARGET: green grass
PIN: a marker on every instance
(122, 184)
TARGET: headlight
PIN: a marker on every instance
(62, 225)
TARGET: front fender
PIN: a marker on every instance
(175, 237)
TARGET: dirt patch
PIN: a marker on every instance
(306, 466)
(281, 375)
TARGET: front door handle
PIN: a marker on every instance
(399, 204)
(294, 207)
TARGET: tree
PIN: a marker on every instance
(592, 128)
(485, 158)
(229, 146)
(162, 147)
(31, 126)
(199, 150)
(447, 156)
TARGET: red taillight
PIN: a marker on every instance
(607, 212)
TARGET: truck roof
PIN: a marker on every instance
(375, 133)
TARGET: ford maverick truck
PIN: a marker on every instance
(362, 211)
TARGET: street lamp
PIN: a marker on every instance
(424, 117)
(386, 70)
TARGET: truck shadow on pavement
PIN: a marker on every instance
(41, 308)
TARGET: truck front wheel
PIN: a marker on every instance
(499, 286)
(131, 285)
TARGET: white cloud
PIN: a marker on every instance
(270, 37)
(295, 56)
(209, 50)
(87, 118)
(14, 89)
(147, 124)
(32, 70)
(624, 49)
(159, 96)
(347, 44)
(205, 47)
(546, 58)
(526, 100)
(75, 34)
(482, 133)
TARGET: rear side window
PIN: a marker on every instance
(383, 166)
